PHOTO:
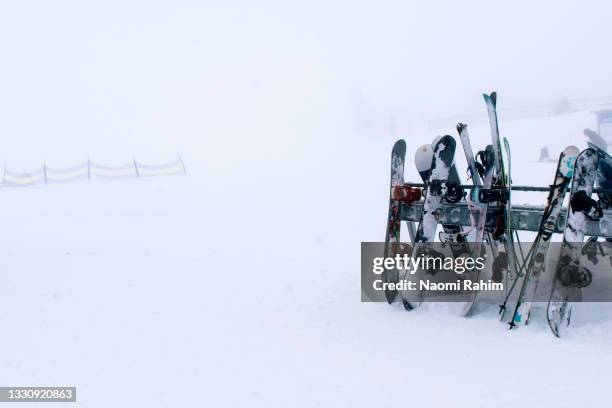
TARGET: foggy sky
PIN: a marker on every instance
(245, 79)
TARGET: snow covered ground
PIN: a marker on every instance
(206, 289)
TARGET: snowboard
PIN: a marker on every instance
(392, 237)
(442, 160)
(604, 181)
(570, 276)
(452, 234)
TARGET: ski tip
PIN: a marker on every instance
(506, 144)
(407, 305)
(490, 99)
(461, 127)
(554, 329)
(390, 296)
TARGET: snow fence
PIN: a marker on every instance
(88, 170)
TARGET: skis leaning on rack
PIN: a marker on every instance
(550, 218)
(504, 263)
(481, 174)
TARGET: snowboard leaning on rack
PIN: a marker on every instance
(392, 238)
(570, 276)
(452, 235)
(435, 193)
(535, 269)
(604, 181)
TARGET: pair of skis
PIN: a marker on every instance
(537, 256)
(495, 162)
(478, 208)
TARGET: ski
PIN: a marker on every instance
(507, 189)
(478, 208)
(392, 238)
(506, 260)
(570, 276)
(558, 189)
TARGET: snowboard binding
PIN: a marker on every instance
(493, 195)
(451, 193)
(593, 249)
(572, 274)
(581, 202)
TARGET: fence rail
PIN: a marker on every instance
(89, 170)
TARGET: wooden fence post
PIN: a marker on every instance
(136, 168)
(182, 164)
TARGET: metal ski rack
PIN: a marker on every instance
(513, 188)
(524, 217)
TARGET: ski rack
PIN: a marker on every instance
(523, 217)
(513, 188)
